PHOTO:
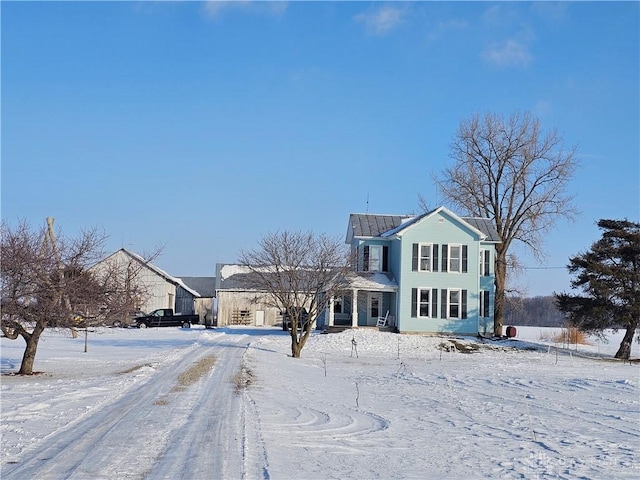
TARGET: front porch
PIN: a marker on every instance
(342, 328)
(370, 296)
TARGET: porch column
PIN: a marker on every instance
(354, 308)
(331, 316)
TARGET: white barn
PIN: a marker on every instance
(164, 290)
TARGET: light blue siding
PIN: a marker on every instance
(439, 228)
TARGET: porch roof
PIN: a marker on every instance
(376, 281)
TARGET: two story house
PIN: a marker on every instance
(431, 273)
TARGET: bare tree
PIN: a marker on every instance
(512, 172)
(47, 282)
(300, 272)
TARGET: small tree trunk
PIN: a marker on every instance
(298, 342)
(624, 352)
(295, 344)
(295, 349)
(29, 356)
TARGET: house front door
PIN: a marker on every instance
(374, 307)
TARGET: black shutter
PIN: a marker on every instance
(434, 253)
(365, 258)
(485, 294)
(445, 260)
(487, 257)
(414, 265)
(434, 303)
(464, 304)
(443, 305)
(414, 302)
(464, 258)
(385, 258)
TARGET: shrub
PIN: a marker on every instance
(571, 336)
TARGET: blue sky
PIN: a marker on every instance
(203, 126)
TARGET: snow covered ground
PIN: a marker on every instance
(387, 406)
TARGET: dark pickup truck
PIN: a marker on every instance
(164, 317)
(300, 313)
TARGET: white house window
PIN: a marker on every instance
(454, 303)
(425, 257)
(485, 257)
(455, 254)
(373, 260)
(423, 302)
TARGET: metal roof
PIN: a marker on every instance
(237, 277)
(368, 225)
(485, 225)
(205, 286)
(372, 225)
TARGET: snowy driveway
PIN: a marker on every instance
(157, 429)
(404, 408)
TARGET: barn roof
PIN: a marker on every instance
(205, 286)
(155, 269)
(240, 277)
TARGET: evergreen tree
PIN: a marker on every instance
(609, 277)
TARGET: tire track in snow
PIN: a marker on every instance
(127, 437)
(209, 443)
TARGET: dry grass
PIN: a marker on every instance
(195, 372)
(134, 368)
(453, 345)
(569, 336)
(189, 377)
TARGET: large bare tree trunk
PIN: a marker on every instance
(508, 170)
(500, 283)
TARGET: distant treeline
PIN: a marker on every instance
(533, 312)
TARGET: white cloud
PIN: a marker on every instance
(509, 53)
(214, 8)
(383, 19)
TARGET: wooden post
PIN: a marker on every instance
(51, 237)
